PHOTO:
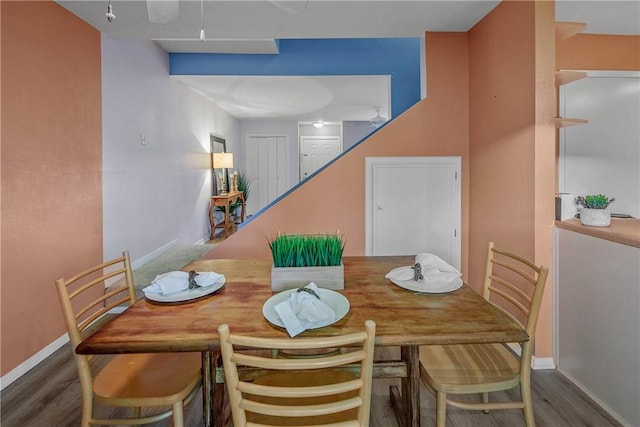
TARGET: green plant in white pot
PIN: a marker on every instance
(302, 258)
(594, 210)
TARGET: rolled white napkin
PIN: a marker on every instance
(436, 273)
(177, 281)
(435, 268)
(208, 278)
(303, 310)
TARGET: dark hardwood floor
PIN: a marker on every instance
(49, 395)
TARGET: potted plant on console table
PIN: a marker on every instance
(594, 210)
(302, 258)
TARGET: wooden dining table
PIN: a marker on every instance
(405, 319)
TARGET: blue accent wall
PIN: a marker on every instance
(398, 58)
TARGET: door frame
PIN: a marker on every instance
(372, 162)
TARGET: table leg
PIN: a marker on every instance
(242, 210)
(220, 409)
(407, 405)
(206, 388)
(212, 209)
(227, 214)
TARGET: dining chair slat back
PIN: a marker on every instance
(515, 286)
(315, 390)
(163, 381)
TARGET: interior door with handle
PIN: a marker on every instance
(316, 151)
(413, 205)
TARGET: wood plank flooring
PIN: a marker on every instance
(49, 395)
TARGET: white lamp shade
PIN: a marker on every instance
(222, 160)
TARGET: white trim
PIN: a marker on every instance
(555, 313)
(539, 363)
(423, 68)
(33, 361)
(151, 255)
(595, 398)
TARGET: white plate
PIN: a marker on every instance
(338, 302)
(186, 295)
(430, 287)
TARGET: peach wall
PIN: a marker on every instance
(512, 141)
(502, 113)
(334, 199)
(51, 168)
(545, 173)
(599, 52)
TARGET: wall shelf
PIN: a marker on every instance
(564, 77)
(563, 122)
(565, 30)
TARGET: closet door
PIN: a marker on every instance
(266, 162)
(413, 205)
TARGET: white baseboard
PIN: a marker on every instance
(595, 398)
(145, 259)
(33, 361)
(536, 362)
(542, 363)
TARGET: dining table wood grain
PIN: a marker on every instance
(404, 318)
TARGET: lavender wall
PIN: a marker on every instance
(155, 194)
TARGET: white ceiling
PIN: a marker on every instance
(243, 26)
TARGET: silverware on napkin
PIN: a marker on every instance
(192, 280)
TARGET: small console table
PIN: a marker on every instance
(225, 200)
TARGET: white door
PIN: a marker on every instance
(316, 151)
(266, 162)
(413, 205)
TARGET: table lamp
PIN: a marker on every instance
(223, 161)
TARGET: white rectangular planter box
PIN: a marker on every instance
(283, 278)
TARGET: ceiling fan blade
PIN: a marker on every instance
(163, 11)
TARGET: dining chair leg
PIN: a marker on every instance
(485, 399)
(441, 409)
(528, 405)
(178, 414)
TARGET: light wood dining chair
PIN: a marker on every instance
(320, 390)
(137, 381)
(514, 285)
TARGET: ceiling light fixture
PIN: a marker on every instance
(202, 35)
(110, 16)
(318, 124)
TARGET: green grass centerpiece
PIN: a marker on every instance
(302, 258)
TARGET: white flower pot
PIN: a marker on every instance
(595, 217)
